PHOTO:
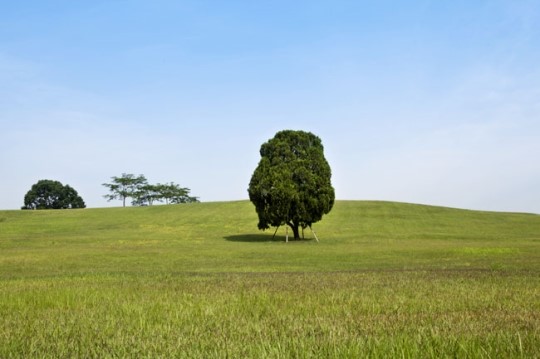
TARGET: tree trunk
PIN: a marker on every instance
(296, 231)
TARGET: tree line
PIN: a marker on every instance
(49, 194)
(143, 193)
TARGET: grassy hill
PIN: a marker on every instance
(223, 237)
(200, 279)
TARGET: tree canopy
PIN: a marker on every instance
(49, 194)
(171, 193)
(292, 182)
(126, 186)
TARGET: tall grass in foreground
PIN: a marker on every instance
(373, 314)
(387, 280)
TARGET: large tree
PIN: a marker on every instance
(48, 194)
(126, 186)
(292, 183)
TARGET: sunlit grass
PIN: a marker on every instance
(199, 280)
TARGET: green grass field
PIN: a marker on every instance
(199, 280)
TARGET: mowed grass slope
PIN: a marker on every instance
(199, 280)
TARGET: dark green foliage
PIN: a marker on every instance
(292, 183)
(48, 194)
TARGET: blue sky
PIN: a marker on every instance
(434, 102)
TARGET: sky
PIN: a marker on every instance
(432, 102)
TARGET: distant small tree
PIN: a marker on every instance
(126, 186)
(291, 185)
(48, 194)
(173, 193)
(143, 193)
